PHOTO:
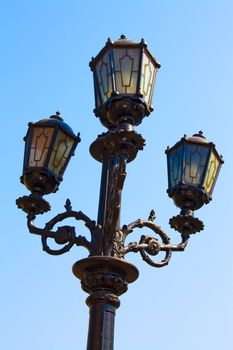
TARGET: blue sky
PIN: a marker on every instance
(45, 50)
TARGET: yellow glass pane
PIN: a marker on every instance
(133, 86)
(121, 89)
(60, 154)
(41, 139)
(211, 173)
(147, 78)
(103, 71)
(126, 65)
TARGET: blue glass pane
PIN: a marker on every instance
(195, 162)
(175, 161)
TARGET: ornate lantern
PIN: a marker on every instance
(193, 168)
(124, 77)
(49, 144)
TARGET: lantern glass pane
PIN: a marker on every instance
(211, 174)
(41, 139)
(126, 66)
(195, 162)
(60, 153)
(175, 161)
(104, 79)
(148, 75)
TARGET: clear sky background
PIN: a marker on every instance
(46, 46)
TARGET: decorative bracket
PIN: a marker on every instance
(149, 245)
(66, 235)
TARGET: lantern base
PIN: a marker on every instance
(121, 108)
(33, 204)
(188, 196)
(40, 180)
(186, 224)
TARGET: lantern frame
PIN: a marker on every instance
(121, 106)
(42, 179)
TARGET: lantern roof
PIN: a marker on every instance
(55, 120)
(123, 42)
(195, 138)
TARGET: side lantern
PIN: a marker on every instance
(193, 168)
(49, 145)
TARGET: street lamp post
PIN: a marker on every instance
(124, 77)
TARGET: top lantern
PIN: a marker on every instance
(124, 77)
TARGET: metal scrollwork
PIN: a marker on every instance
(109, 241)
(107, 238)
(66, 235)
(149, 245)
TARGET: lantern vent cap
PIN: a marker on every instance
(123, 41)
(197, 138)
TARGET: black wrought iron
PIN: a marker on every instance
(105, 274)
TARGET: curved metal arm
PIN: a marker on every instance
(64, 234)
(149, 245)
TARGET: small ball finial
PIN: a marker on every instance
(57, 115)
(200, 134)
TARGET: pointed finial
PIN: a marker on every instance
(68, 205)
(109, 41)
(143, 42)
(152, 215)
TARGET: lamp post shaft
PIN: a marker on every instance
(103, 193)
(102, 307)
(112, 180)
